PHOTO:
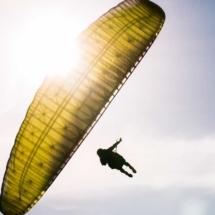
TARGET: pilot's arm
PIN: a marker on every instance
(114, 145)
(103, 162)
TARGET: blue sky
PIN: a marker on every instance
(164, 113)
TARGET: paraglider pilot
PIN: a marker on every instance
(113, 159)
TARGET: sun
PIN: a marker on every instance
(45, 44)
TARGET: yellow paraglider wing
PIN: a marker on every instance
(66, 108)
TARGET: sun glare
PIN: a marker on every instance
(45, 44)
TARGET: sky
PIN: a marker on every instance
(164, 113)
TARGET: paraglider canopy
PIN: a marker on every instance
(66, 109)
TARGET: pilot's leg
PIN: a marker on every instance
(131, 167)
(123, 171)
